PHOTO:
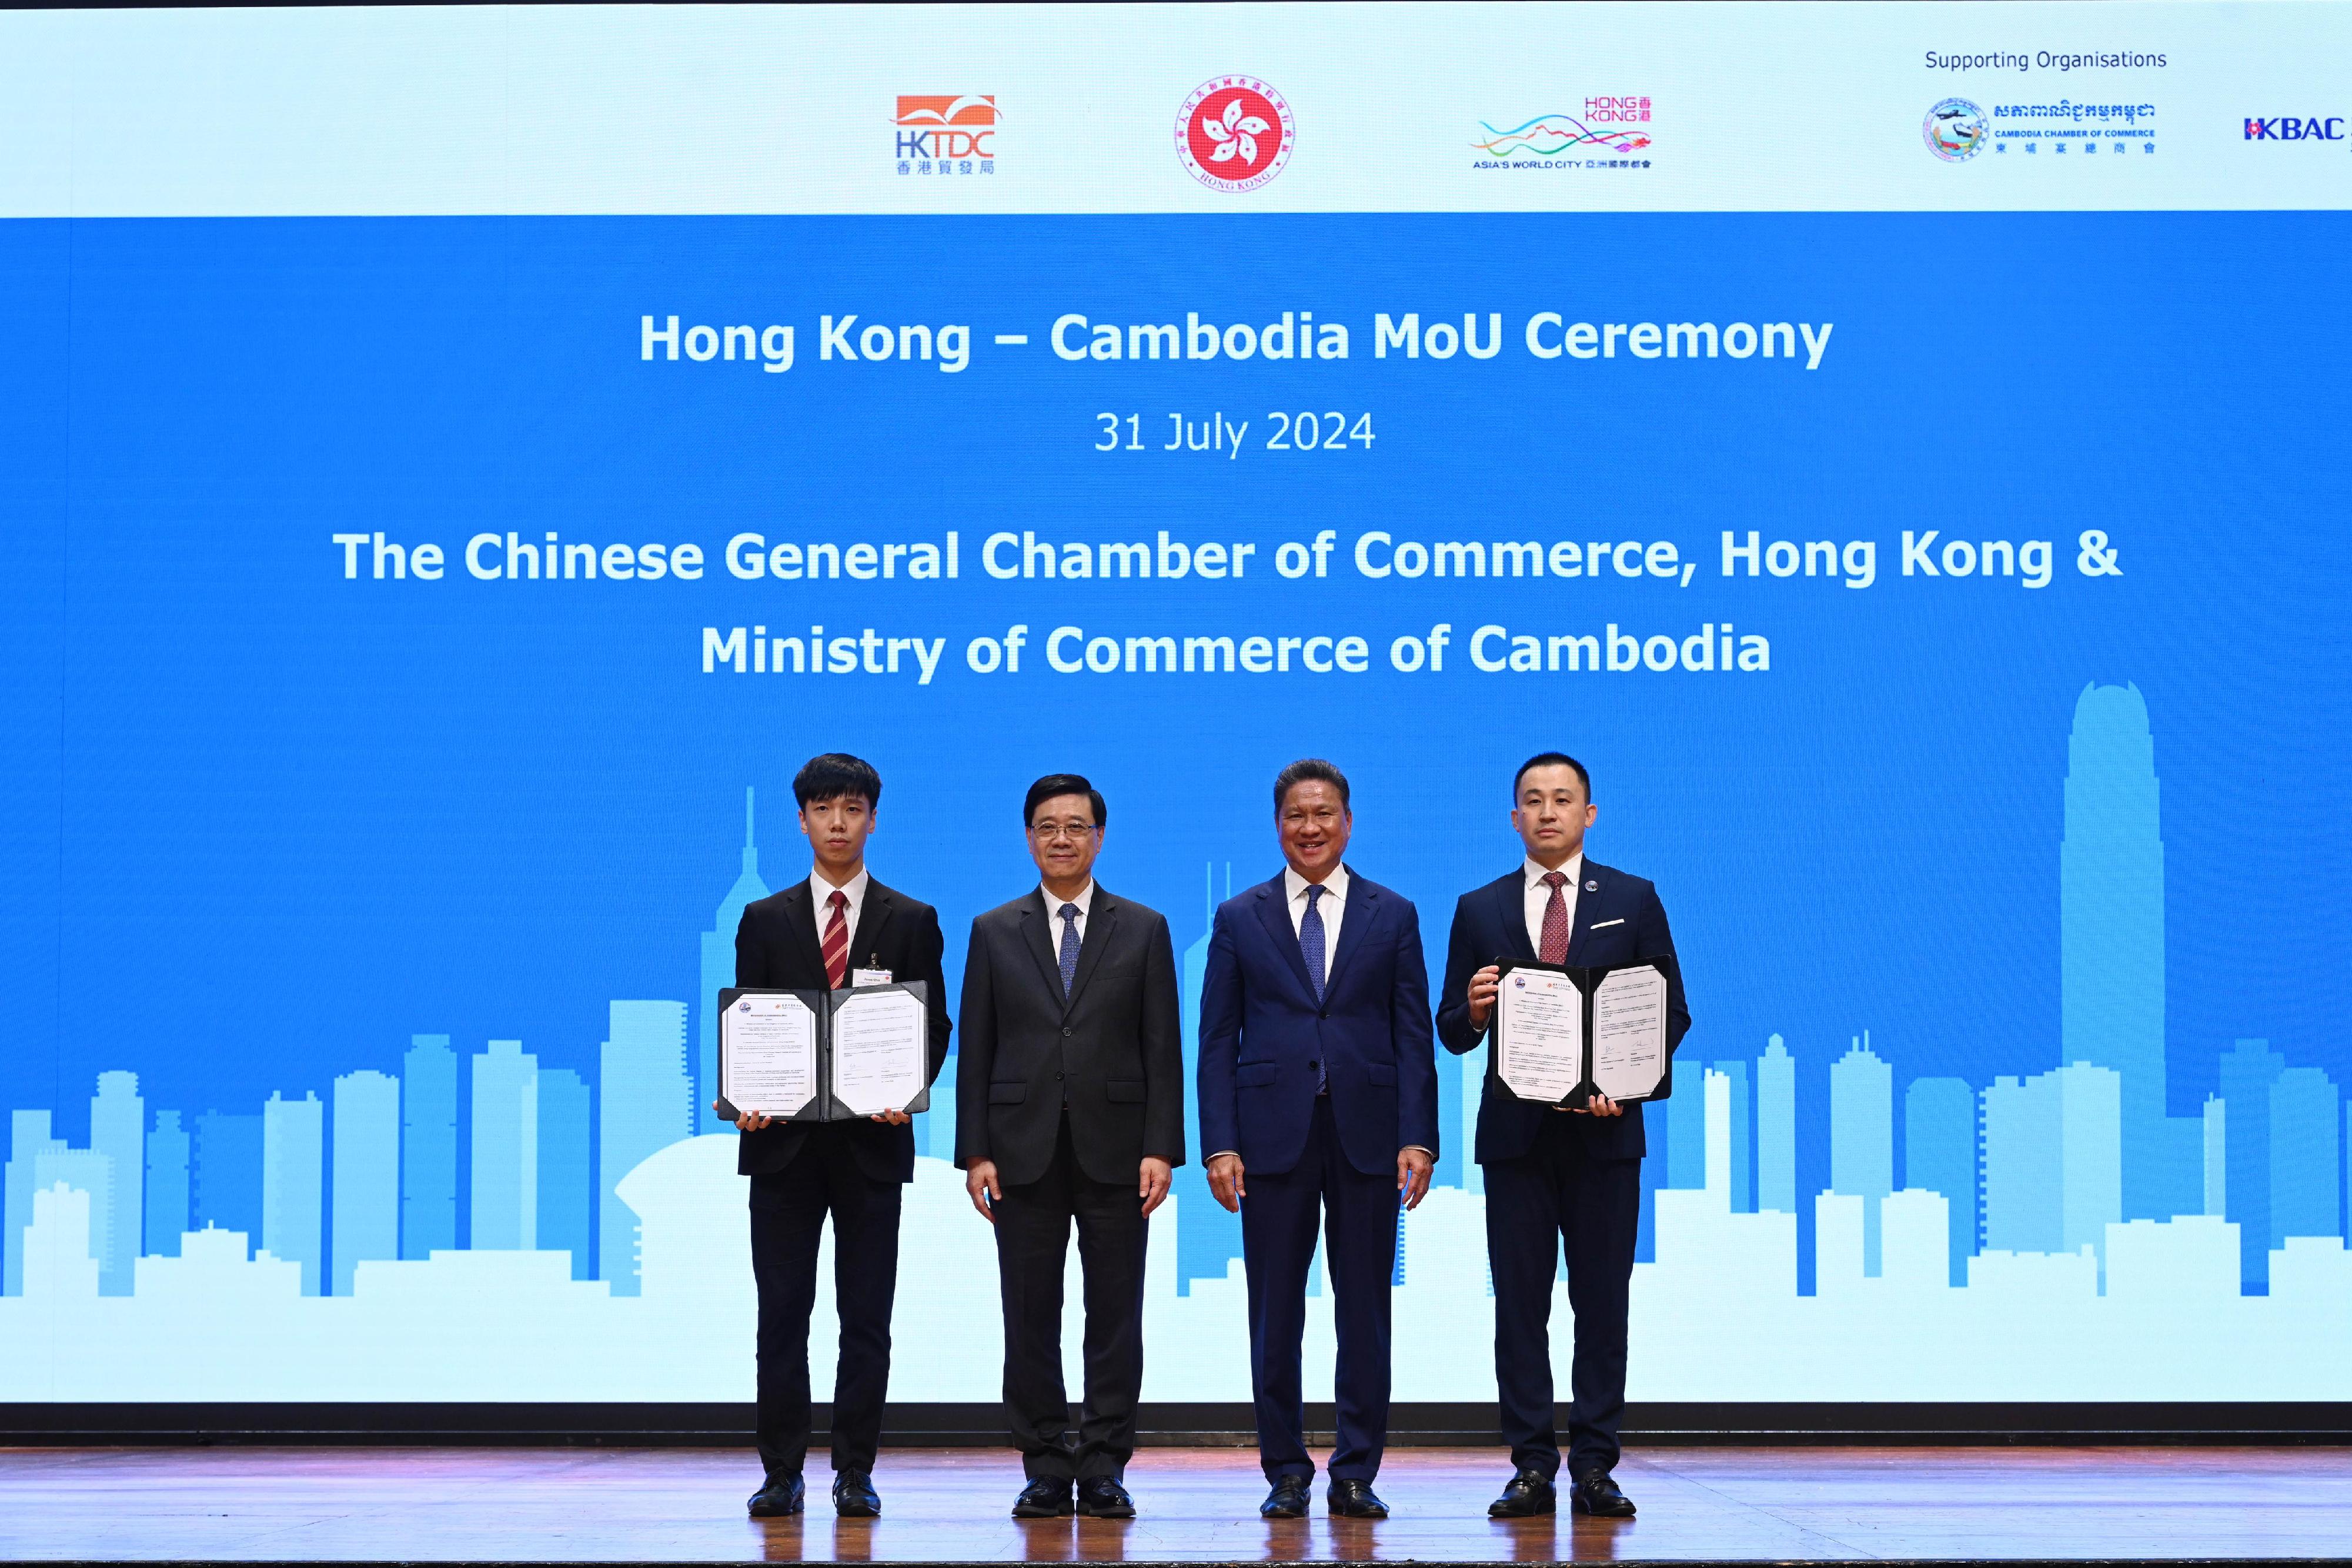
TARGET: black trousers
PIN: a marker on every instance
(1358, 1214)
(1033, 1241)
(788, 1214)
(1550, 1198)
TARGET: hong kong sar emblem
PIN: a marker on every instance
(1234, 133)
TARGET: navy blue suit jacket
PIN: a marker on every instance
(1616, 922)
(1261, 1033)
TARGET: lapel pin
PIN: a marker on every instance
(1592, 888)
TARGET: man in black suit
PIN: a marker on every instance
(1070, 1106)
(1556, 1177)
(840, 924)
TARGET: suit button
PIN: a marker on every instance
(1065, 1034)
(1057, 1078)
(1312, 1066)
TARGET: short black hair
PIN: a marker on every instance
(1305, 770)
(1551, 759)
(1058, 784)
(837, 774)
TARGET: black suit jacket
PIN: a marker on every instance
(776, 946)
(1617, 921)
(1113, 1053)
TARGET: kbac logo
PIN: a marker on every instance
(946, 128)
(2287, 128)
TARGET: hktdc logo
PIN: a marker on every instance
(945, 134)
(2287, 128)
(1234, 133)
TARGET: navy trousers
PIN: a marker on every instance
(1358, 1214)
(1553, 1196)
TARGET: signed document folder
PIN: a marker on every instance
(1562, 1035)
(825, 1056)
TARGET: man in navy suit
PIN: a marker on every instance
(1318, 1084)
(1556, 1177)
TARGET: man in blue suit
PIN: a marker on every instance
(1556, 1177)
(1318, 1087)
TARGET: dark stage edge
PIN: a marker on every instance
(1168, 1425)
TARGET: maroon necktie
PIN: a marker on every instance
(836, 940)
(1554, 949)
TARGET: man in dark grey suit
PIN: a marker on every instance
(1070, 1106)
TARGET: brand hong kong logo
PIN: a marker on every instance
(1609, 134)
(942, 133)
(1955, 130)
(2289, 128)
(1234, 133)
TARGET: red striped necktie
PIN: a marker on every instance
(837, 941)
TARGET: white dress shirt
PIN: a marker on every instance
(822, 891)
(1085, 903)
(1332, 907)
(1538, 897)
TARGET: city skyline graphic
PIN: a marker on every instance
(482, 1226)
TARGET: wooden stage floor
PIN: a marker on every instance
(678, 1505)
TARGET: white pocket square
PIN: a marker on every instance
(1604, 925)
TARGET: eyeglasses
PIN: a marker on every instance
(1049, 832)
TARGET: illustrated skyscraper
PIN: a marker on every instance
(118, 1130)
(1207, 1238)
(2304, 1106)
(2111, 944)
(228, 1174)
(1862, 1139)
(166, 1220)
(293, 1181)
(367, 1173)
(1939, 1155)
(718, 973)
(428, 1147)
(2053, 1160)
(645, 1103)
(1776, 1128)
(1743, 1158)
(566, 1201)
(505, 1149)
(2248, 1069)
(28, 1139)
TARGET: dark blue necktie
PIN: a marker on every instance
(1310, 947)
(1069, 947)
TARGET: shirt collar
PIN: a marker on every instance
(821, 891)
(1535, 874)
(1085, 901)
(1335, 886)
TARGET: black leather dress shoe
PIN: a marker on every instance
(1528, 1494)
(1287, 1500)
(778, 1495)
(1043, 1499)
(1101, 1497)
(853, 1496)
(1596, 1494)
(1356, 1499)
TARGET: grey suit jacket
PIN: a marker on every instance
(1111, 1053)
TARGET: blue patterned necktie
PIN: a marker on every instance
(1069, 947)
(1310, 947)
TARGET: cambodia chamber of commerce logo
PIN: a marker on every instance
(947, 133)
(1955, 130)
(1611, 133)
(1234, 133)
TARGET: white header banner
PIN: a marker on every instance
(1120, 109)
